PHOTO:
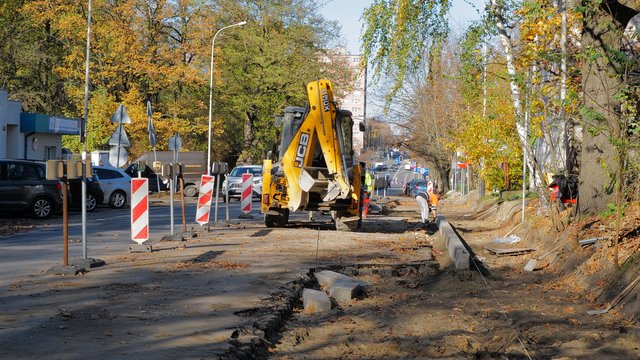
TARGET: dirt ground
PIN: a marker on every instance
(234, 293)
(446, 314)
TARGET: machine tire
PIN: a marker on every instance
(92, 202)
(277, 220)
(117, 200)
(190, 190)
(42, 207)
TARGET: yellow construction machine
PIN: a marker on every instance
(316, 170)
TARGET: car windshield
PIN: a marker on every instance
(255, 171)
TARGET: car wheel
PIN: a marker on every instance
(190, 191)
(91, 202)
(118, 199)
(41, 208)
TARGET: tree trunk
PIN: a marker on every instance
(600, 84)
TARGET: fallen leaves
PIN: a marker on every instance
(213, 263)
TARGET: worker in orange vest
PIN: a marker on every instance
(433, 203)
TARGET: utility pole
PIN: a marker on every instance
(83, 138)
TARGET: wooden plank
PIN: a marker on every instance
(509, 251)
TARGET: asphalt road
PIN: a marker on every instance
(108, 232)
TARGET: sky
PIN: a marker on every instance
(349, 12)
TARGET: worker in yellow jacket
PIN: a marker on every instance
(368, 190)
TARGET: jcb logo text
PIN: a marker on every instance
(302, 149)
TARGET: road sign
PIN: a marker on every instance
(140, 210)
(175, 143)
(204, 199)
(150, 129)
(120, 116)
(247, 192)
(118, 158)
(119, 137)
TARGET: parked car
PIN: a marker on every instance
(95, 195)
(116, 184)
(380, 168)
(235, 180)
(24, 187)
(194, 166)
(418, 186)
(381, 181)
(408, 186)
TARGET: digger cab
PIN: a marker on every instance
(293, 118)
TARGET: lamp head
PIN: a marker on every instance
(242, 23)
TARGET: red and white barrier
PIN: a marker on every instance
(204, 199)
(430, 186)
(140, 210)
(247, 192)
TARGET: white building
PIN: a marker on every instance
(31, 136)
(356, 101)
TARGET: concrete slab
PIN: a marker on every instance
(315, 302)
(327, 278)
(453, 244)
(87, 263)
(140, 248)
(70, 270)
(345, 290)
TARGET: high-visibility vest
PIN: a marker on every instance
(368, 181)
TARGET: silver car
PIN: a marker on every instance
(235, 180)
(116, 184)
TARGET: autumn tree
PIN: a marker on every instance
(29, 53)
(284, 46)
(159, 51)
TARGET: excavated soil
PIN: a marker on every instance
(500, 312)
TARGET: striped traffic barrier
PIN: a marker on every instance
(247, 191)
(430, 186)
(204, 199)
(140, 210)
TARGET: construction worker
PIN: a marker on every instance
(368, 189)
(423, 200)
(433, 203)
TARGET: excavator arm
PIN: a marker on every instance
(318, 127)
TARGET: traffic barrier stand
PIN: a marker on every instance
(140, 214)
(246, 196)
(204, 199)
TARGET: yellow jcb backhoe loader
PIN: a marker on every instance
(316, 170)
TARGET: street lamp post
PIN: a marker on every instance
(213, 43)
(83, 138)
